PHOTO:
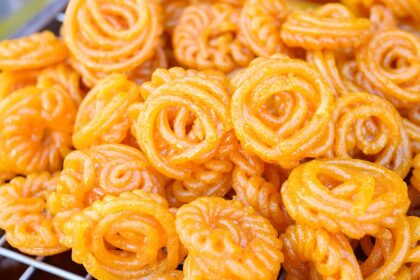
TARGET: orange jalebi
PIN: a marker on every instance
(390, 62)
(369, 127)
(311, 253)
(281, 110)
(208, 37)
(103, 115)
(352, 196)
(391, 255)
(107, 37)
(131, 236)
(226, 240)
(36, 51)
(35, 129)
(11, 81)
(332, 26)
(91, 174)
(28, 226)
(260, 23)
(172, 11)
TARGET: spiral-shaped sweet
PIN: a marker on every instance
(207, 37)
(390, 62)
(131, 236)
(391, 255)
(108, 37)
(369, 127)
(64, 75)
(35, 51)
(35, 129)
(262, 192)
(227, 240)
(332, 26)
(28, 226)
(281, 110)
(172, 11)
(352, 196)
(183, 120)
(313, 253)
(11, 81)
(415, 177)
(102, 117)
(91, 174)
(260, 23)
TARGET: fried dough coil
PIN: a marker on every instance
(35, 129)
(11, 81)
(352, 196)
(332, 26)
(262, 192)
(281, 111)
(183, 120)
(207, 37)
(35, 51)
(369, 127)
(311, 253)
(102, 117)
(390, 62)
(109, 37)
(260, 23)
(28, 226)
(131, 236)
(225, 240)
(91, 174)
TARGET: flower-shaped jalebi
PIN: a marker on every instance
(281, 110)
(395, 256)
(91, 174)
(332, 26)
(310, 253)
(36, 51)
(369, 127)
(11, 81)
(131, 236)
(261, 190)
(208, 37)
(352, 196)
(260, 23)
(103, 115)
(107, 37)
(226, 240)
(28, 226)
(35, 129)
(390, 62)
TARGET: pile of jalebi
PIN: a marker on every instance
(217, 139)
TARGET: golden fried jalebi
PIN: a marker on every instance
(390, 62)
(261, 191)
(311, 253)
(415, 177)
(28, 226)
(11, 81)
(352, 196)
(391, 255)
(281, 110)
(369, 127)
(183, 120)
(332, 26)
(208, 37)
(126, 237)
(102, 117)
(260, 23)
(64, 75)
(105, 36)
(227, 240)
(36, 51)
(91, 174)
(35, 129)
